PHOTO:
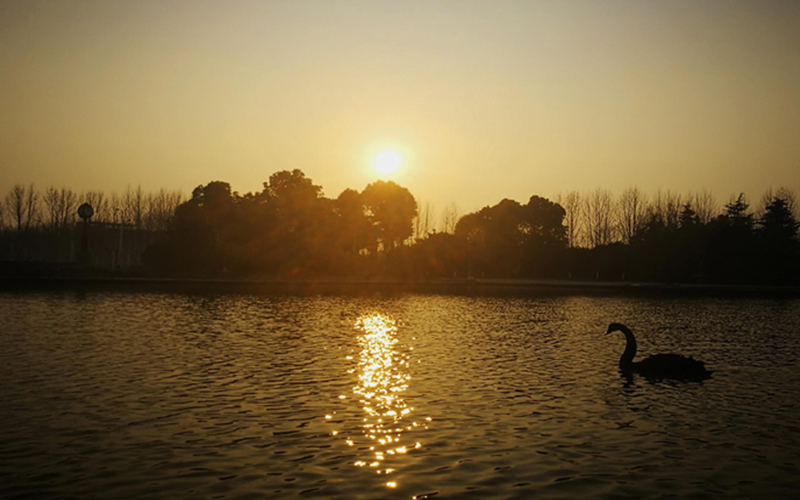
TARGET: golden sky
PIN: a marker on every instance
(484, 99)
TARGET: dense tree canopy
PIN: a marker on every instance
(290, 229)
(509, 239)
(391, 209)
(287, 229)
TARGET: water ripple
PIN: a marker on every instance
(165, 396)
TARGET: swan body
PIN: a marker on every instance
(659, 366)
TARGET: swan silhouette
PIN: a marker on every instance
(659, 366)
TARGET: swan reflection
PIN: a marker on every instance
(383, 377)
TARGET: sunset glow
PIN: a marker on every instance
(499, 101)
(377, 248)
(387, 162)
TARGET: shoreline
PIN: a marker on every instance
(349, 286)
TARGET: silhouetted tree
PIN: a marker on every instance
(690, 242)
(778, 223)
(450, 216)
(60, 206)
(779, 249)
(544, 237)
(631, 213)
(160, 208)
(573, 216)
(736, 213)
(133, 206)
(688, 217)
(732, 245)
(391, 208)
(354, 236)
(599, 218)
(666, 209)
(15, 204)
(424, 221)
(291, 190)
(23, 206)
(356, 231)
(545, 219)
(290, 229)
(197, 241)
(705, 206)
(297, 217)
(494, 239)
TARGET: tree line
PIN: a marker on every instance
(287, 229)
(40, 225)
(633, 237)
(290, 229)
(26, 208)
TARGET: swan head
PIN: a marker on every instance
(615, 327)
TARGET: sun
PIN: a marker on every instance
(387, 161)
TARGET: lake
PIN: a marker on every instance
(135, 395)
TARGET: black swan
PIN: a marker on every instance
(659, 366)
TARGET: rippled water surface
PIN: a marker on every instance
(114, 395)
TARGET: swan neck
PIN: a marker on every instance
(630, 349)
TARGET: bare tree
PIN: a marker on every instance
(450, 216)
(23, 206)
(137, 205)
(657, 209)
(424, 222)
(666, 208)
(159, 209)
(573, 218)
(60, 206)
(15, 204)
(631, 212)
(705, 205)
(33, 206)
(673, 208)
(51, 205)
(599, 217)
(68, 204)
(115, 208)
(154, 211)
(128, 207)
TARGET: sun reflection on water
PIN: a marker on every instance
(383, 377)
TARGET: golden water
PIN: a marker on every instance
(172, 396)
